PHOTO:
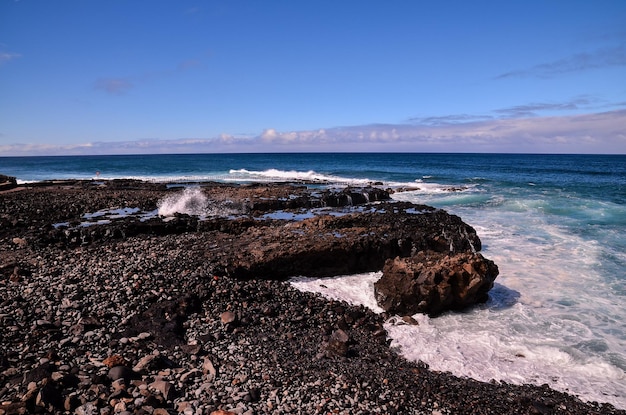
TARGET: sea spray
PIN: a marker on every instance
(191, 201)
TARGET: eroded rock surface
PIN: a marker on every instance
(433, 282)
(354, 242)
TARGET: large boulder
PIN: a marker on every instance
(433, 282)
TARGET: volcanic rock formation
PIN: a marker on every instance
(432, 282)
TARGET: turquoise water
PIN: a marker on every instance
(554, 224)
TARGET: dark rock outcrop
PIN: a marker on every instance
(264, 231)
(432, 282)
(7, 182)
(302, 198)
(325, 246)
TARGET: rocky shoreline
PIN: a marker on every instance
(105, 313)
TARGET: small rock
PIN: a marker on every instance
(120, 406)
(410, 321)
(190, 375)
(121, 372)
(119, 384)
(191, 349)
(337, 344)
(144, 362)
(30, 395)
(228, 317)
(114, 360)
(71, 402)
(208, 368)
(167, 389)
(87, 409)
(255, 394)
(57, 376)
(20, 242)
(144, 335)
(181, 406)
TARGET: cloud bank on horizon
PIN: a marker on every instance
(239, 77)
(602, 133)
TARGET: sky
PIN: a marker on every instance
(154, 76)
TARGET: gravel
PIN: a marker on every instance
(145, 325)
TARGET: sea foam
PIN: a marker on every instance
(276, 175)
(503, 340)
(555, 315)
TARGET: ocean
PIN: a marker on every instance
(554, 224)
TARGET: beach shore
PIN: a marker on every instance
(151, 322)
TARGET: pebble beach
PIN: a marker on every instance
(146, 324)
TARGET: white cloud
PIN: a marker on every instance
(590, 133)
(271, 136)
(553, 134)
(45, 149)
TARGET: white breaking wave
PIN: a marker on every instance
(273, 175)
(311, 176)
(190, 178)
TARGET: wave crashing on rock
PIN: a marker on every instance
(191, 201)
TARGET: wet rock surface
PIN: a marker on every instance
(191, 321)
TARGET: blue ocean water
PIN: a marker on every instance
(554, 224)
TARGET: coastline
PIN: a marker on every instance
(82, 304)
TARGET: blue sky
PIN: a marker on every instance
(109, 77)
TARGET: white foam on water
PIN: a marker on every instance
(552, 318)
(175, 178)
(282, 215)
(514, 344)
(273, 175)
(255, 176)
(353, 289)
(420, 187)
(311, 176)
(115, 213)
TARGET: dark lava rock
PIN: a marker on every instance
(165, 320)
(337, 345)
(122, 372)
(7, 182)
(360, 241)
(432, 282)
